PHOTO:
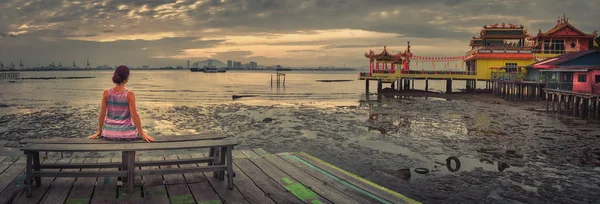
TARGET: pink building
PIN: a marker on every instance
(577, 72)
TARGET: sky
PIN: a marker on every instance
(292, 33)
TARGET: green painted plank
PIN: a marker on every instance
(314, 184)
(344, 187)
(362, 183)
(281, 177)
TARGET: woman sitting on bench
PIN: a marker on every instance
(118, 118)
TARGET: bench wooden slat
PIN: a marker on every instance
(115, 164)
(129, 146)
(79, 173)
(181, 170)
(178, 138)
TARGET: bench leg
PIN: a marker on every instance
(123, 166)
(222, 157)
(229, 168)
(28, 173)
(214, 153)
(36, 167)
(130, 172)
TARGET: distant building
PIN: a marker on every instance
(229, 64)
(145, 66)
(209, 63)
(188, 64)
(179, 67)
(234, 65)
(238, 64)
(253, 65)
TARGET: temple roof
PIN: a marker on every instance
(502, 31)
(386, 56)
(563, 24)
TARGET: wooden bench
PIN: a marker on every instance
(219, 160)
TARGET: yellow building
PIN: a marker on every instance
(505, 46)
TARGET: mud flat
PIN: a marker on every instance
(508, 152)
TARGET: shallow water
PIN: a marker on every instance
(333, 122)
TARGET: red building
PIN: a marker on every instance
(576, 71)
(564, 37)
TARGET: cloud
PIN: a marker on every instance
(269, 30)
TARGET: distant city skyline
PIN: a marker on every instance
(287, 32)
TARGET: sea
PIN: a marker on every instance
(182, 87)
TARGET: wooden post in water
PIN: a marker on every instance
(448, 86)
(426, 84)
(367, 88)
(379, 87)
(547, 103)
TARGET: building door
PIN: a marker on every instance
(596, 85)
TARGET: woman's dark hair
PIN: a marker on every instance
(121, 74)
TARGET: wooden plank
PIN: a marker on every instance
(130, 146)
(152, 180)
(15, 188)
(11, 173)
(353, 193)
(226, 195)
(83, 186)
(59, 189)
(124, 197)
(247, 187)
(260, 152)
(5, 165)
(302, 192)
(180, 193)
(371, 187)
(169, 178)
(2, 159)
(309, 181)
(178, 138)
(38, 191)
(202, 190)
(118, 164)
(153, 188)
(106, 187)
(194, 177)
(272, 188)
(155, 195)
(238, 154)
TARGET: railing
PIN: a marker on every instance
(564, 86)
(367, 74)
(508, 76)
(550, 51)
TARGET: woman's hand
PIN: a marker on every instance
(95, 135)
(147, 137)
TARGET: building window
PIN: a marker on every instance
(581, 77)
(597, 78)
(511, 64)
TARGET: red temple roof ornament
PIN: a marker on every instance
(563, 23)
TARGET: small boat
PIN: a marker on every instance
(197, 69)
(221, 70)
(210, 70)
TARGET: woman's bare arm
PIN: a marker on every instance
(136, 117)
(102, 115)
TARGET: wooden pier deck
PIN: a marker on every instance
(260, 178)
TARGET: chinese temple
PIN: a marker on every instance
(499, 45)
(387, 63)
(563, 38)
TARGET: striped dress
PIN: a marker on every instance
(118, 124)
